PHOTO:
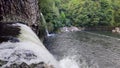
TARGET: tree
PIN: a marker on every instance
(92, 12)
(50, 12)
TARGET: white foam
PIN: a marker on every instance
(68, 63)
(30, 49)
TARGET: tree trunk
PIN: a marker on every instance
(21, 10)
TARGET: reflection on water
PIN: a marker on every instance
(85, 50)
(107, 33)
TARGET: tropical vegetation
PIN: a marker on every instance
(81, 13)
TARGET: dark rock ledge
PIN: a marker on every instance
(24, 65)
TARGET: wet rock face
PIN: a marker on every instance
(69, 29)
(2, 63)
(19, 10)
(24, 65)
(116, 30)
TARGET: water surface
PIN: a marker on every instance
(85, 50)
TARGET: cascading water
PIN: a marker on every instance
(46, 28)
(71, 49)
(29, 49)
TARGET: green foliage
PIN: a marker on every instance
(93, 12)
(50, 11)
(81, 12)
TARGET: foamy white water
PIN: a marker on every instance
(68, 63)
(29, 50)
(74, 62)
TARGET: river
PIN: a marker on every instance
(84, 50)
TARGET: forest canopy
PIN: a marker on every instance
(81, 13)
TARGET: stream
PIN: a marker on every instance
(84, 50)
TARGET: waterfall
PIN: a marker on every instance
(46, 28)
(29, 49)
